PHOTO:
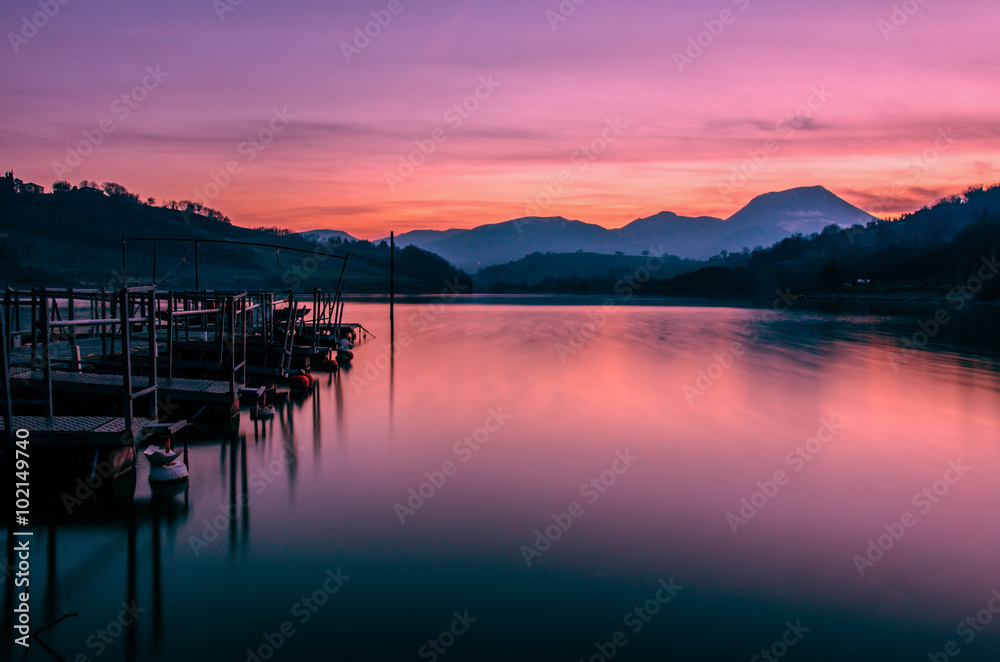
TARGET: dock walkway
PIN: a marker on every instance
(173, 388)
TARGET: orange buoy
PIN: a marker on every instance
(300, 382)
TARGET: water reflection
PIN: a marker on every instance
(222, 584)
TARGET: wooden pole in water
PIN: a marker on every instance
(392, 288)
(196, 266)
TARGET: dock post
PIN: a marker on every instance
(46, 353)
(170, 334)
(71, 305)
(392, 290)
(154, 409)
(196, 266)
(126, 338)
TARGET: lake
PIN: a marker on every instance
(546, 482)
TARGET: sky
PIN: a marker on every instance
(381, 115)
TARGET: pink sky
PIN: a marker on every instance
(885, 98)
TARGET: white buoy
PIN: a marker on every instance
(165, 465)
(175, 472)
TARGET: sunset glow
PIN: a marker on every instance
(494, 102)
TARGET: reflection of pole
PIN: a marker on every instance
(245, 505)
(131, 588)
(51, 584)
(232, 496)
(157, 586)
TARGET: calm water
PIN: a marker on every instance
(513, 414)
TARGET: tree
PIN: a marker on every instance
(60, 186)
(832, 273)
(114, 189)
(8, 184)
(151, 201)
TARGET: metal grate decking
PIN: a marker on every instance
(77, 430)
(181, 389)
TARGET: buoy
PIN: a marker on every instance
(165, 465)
(300, 381)
(175, 472)
(330, 364)
(344, 355)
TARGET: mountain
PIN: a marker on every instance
(511, 240)
(423, 238)
(678, 235)
(766, 219)
(324, 236)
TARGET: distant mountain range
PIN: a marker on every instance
(324, 236)
(767, 219)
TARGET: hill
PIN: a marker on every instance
(537, 271)
(74, 239)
